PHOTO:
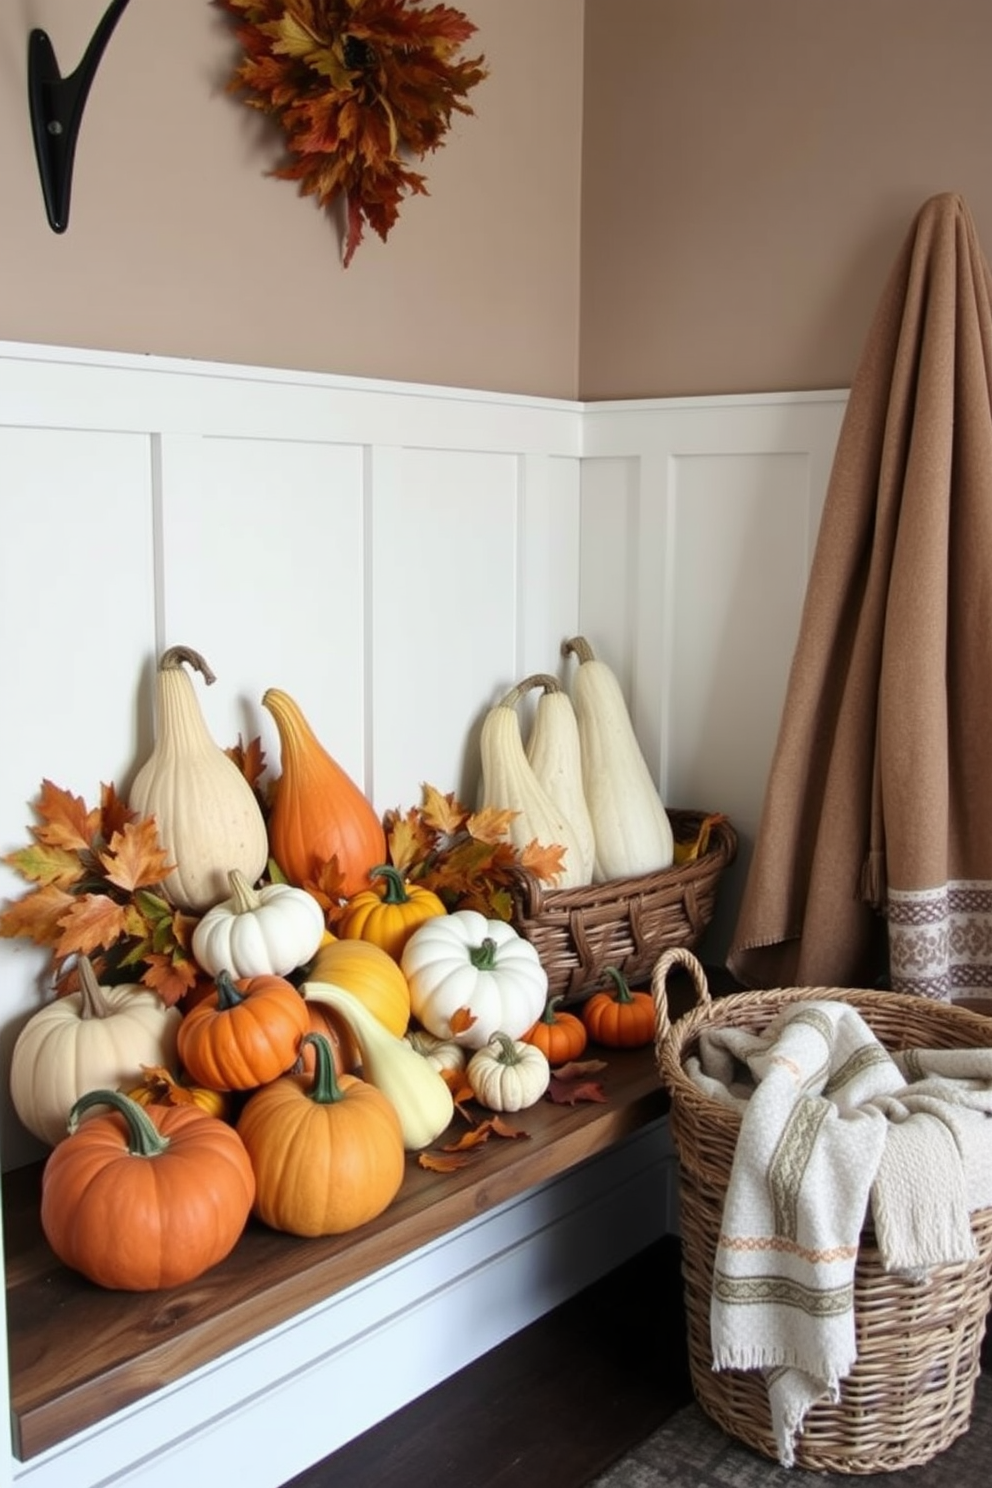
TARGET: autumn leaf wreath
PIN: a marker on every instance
(359, 87)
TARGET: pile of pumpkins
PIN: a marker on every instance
(306, 1065)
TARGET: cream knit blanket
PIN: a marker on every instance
(829, 1123)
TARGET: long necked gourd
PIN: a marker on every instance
(508, 783)
(631, 827)
(556, 759)
(208, 818)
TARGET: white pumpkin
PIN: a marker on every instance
(470, 976)
(97, 1038)
(259, 932)
(508, 1074)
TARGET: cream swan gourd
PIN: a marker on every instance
(509, 783)
(208, 818)
(631, 827)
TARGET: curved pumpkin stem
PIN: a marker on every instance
(507, 1052)
(325, 1089)
(143, 1137)
(244, 899)
(228, 996)
(620, 982)
(538, 679)
(172, 660)
(395, 892)
(483, 957)
(550, 1010)
(581, 648)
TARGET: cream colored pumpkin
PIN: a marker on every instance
(207, 815)
(97, 1038)
(555, 757)
(259, 932)
(441, 1054)
(630, 824)
(469, 976)
(508, 1074)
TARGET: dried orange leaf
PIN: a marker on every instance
(65, 820)
(134, 859)
(461, 1020)
(443, 1162)
(546, 863)
(91, 922)
(37, 916)
(573, 1092)
(696, 847)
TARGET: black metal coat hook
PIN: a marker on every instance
(56, 105)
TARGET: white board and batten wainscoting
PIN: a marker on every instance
(395, 556)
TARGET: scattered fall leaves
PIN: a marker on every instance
(698, 846)
(358, 88)
(95, 872)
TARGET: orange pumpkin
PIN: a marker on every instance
(560, 1035)
(371, 975)
(328, 1155)
(245, 1033)
(158, 1221)
(388, 916)
(318, 812)
(619, 1018)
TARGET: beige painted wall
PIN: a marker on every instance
(750, 172)
(739, 177)
(179, 244)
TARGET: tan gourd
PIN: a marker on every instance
(508, 783)
(631, 827)
(209, 820)
(556, 759)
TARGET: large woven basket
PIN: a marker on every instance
(625, 922)
(911, 1391)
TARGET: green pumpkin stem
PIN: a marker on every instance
(483, 957)
(507, 1052)
(550, 1009)
(228, 995)
(620, 982)
(395, 887)
(325, 1089)
(143, 1137)
(93, 1003)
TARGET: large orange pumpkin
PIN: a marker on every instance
(137, 1199)
(328, 1155)
(245, 1033)
(318, 812)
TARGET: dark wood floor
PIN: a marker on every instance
(554, 1405)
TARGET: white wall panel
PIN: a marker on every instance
(263, 573)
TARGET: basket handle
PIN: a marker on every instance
(673, 956)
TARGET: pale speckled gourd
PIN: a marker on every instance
(630, 824)
(209, 820)
(508, 783)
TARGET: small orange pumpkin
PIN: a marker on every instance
(137, 1199)
(389, 915)
(328, 1155)
(318, 812)
(621, 1018)
(559, 1034)
(244, 1034)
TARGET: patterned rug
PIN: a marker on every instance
(689, 1451)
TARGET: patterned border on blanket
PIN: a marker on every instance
(940, 940)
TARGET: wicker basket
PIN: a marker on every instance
(911, 1391)
(625, 922)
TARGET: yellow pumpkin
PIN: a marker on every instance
(388, 916)
(368, 973)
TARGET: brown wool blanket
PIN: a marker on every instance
(872, 863)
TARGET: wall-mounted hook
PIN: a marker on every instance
(56, 105)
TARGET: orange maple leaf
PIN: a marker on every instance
(114, 813)
(445, 813)
(490, 824)
(461, 1020)
(92, 922)
(443, 1162)
(64, 820)
(37, 916)
(408, 838)
(546, 863)
(47, 865)
(249, 758)
(133, 859)
(169, 976)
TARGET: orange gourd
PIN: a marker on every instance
(244, 1034)
(559, 1034)
(621, 1018)
(344, 1051)
(368, 973)
(318, 812)
(388, 916)
(137, 1199)
(327, 1154)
